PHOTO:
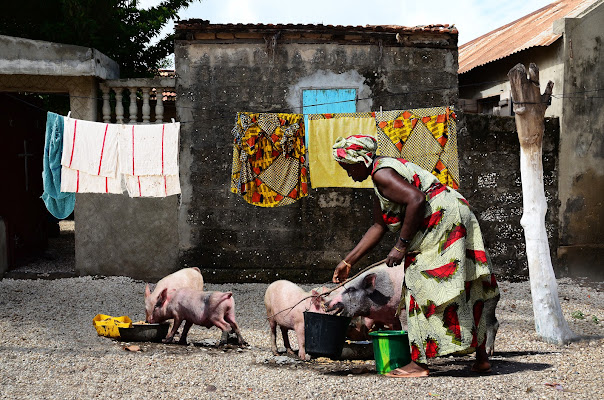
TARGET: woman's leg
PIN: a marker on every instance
(482, 364)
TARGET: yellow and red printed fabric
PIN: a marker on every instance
(269, 158)
(425, 136)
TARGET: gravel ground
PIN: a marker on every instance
(50, 350)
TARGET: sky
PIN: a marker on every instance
(472, 18)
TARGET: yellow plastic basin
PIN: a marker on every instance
(106, 325)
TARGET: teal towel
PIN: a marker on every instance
(59, 204)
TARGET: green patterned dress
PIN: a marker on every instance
(448, 281)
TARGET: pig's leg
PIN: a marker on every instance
(221, 324)
(224, 338)
(230, 319)
(273, 326)
(286, 343)
(185, 331)
(175, 326)
(299, 329)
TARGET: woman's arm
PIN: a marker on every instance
(369, 240)
(395, 188)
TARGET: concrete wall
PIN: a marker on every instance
(582, 146)
(115, 235)
(234, 241)
(37, 57)
(118, 235)
(3, 249)
(489, 154)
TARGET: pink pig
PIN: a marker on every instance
(186, 277)
(196, 307)
(281, 295)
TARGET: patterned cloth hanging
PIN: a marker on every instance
(425, 136)
(269, 159)
(322, 131)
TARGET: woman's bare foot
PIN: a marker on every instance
(482, 364)
(411, 370)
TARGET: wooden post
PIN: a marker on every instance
(529, 108)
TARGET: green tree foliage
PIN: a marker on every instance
(116, 28)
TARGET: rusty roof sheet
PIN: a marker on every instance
(534, 29)
(206, 26)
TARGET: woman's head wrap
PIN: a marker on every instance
(355, 149)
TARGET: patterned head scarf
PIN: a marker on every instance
(355, 149)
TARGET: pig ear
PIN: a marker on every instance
(369, 281)
(147, 290)
(161, 299)
(317, 300)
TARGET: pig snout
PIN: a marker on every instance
(337, 306)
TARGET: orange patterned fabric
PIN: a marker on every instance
(424, 136)
(269, 159)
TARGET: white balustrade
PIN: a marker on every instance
(159, 105)
(133, 109)
(135, 88)
(106, 105)
(119, 107)
(146, 107)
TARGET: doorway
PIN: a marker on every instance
(38, 244)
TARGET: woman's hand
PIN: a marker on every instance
(396, 255)
(341, 272)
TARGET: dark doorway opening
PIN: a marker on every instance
(37, 243)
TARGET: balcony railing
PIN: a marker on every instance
(153, 90)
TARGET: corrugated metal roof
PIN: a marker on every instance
(534, 29)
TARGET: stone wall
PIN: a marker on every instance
(3, 249)
(582, 146)
(489, 154)
(231, 240)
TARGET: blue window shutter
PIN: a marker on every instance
(323, 101)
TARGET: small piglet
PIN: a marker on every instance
(279, 297)
(197, 307)
(186, 277)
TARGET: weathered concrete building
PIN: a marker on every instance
(223, 69)
(565, 40)
(36, 66)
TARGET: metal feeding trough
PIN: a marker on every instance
(144, 333)
(324, 334)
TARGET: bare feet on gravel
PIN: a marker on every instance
(482, 364)
(411, 370)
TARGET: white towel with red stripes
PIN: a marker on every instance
(105, 158)
(149, 149)
(77, 181)
(90, 147)
(148, 159)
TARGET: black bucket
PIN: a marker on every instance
(324, 334)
